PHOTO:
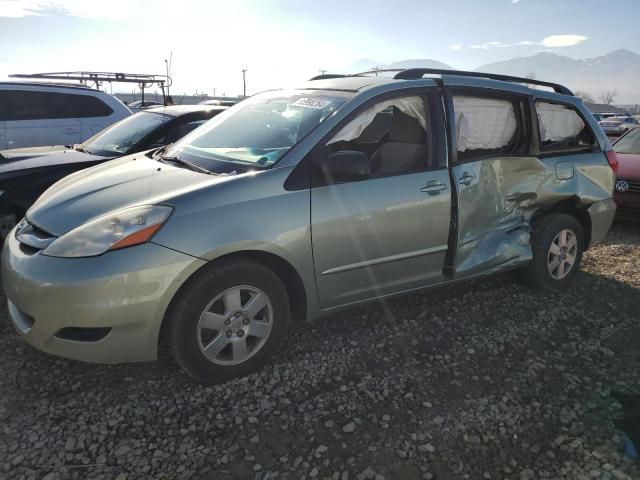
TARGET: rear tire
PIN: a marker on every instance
(227, 320)
(557, 243)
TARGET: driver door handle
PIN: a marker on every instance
(433, 187)
(466, 179)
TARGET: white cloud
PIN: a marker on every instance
(515, 1)
(552, 41)
(488, 45)
(456, 46)
(117, 9)
(555, 41)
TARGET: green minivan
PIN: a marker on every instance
(295, 203)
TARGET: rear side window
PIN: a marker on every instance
(32, 105)
(27, 105)
(562, 129)
(489, 127)
(88, 106)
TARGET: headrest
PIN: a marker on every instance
(405, 129)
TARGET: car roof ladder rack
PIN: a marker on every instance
(143, 80)
(416, 73)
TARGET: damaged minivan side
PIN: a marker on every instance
(295, 203)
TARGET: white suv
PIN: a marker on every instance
(37, 114)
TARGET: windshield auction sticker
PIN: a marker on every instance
(316, 103)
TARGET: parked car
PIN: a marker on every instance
(296, 203)
(25, 173)
(627, 190)
(603, 116)
(37, 114)
(616, 126)
(140, 105)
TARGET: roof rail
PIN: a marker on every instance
(327, 76)
(415, 73)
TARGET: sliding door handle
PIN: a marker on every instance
(433, 187)
(466, 179)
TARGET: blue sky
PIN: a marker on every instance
(282, 42)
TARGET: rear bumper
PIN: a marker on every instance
(602, 214)
(105, 309)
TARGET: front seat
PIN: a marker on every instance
(404, 150)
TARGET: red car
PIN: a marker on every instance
(627, 189)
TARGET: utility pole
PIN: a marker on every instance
(244, 83)
(214, 92)
(322, 72)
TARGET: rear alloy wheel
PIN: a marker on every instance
(227, 320)
(557, 243)
(562, 254)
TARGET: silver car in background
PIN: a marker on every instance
(295, 203)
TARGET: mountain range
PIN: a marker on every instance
(618, 70)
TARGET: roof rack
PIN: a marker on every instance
(98, 78)
(415, 73)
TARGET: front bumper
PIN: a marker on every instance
(123, 293)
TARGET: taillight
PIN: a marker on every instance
(612, 158)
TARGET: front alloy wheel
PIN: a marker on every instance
(235, 325)
(227, 320)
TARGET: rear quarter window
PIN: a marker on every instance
(88, 106)
(562, 128)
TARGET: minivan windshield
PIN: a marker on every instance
(121, 136)
(630, 143)
(258, 131)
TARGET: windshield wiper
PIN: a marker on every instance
(79, 148)
(158, 152)
(189, 165)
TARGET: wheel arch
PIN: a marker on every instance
(572, 207)
(282, 268)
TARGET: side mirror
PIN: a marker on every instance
(345, 166)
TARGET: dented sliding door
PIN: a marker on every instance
(496, 179)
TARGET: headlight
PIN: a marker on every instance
(115, 230)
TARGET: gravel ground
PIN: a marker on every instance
(484, 380)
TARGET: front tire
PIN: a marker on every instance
(227, 320)
(557, 243)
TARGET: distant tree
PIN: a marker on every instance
(587, 97)
(530, 76)
(607, 96)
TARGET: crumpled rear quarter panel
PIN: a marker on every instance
(496, 210)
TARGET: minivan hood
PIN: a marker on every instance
(122, 183)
